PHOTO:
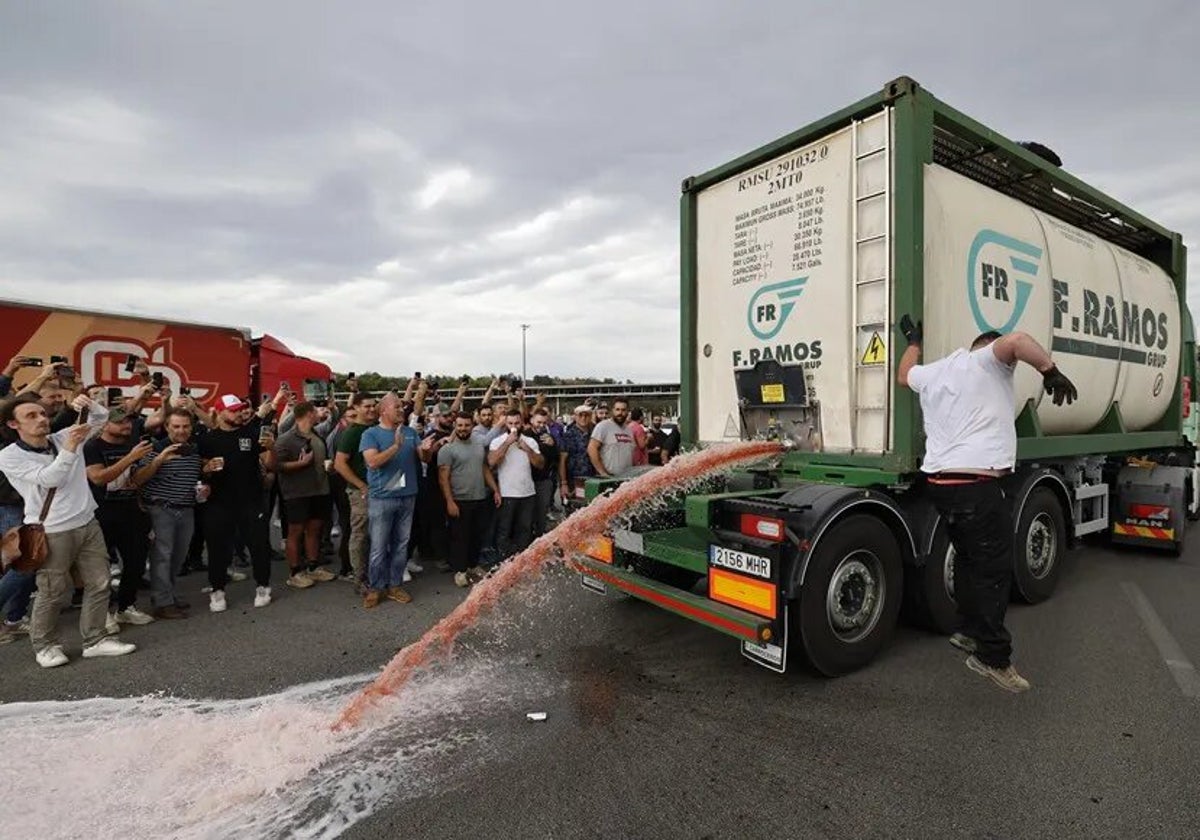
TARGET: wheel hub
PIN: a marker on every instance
(853, 599)
(1041, 546)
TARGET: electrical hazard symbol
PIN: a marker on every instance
(876, 352)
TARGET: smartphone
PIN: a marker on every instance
(156, 379)
(147, 438)
(352, 375)
(83, 414)
(58, 360)
(417, 375)
(31, 361)
(466, 380)
(130, 363)
(114, 396)
(285, 385)
(185, 391)
(186, 449)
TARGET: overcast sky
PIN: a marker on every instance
(398, 185)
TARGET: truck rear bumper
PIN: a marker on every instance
(721, 617)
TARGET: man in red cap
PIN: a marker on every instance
(236, 453)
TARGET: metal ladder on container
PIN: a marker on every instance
(870, 292)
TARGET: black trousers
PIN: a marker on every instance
(430, 529)
(246, 516)
(514, 525)
(126, 530)
(467, 532)
(341, 514)
(979, 521)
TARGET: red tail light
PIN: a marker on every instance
(761, 527)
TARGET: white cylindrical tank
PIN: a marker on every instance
(1110, 319)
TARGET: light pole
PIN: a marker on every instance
(524, 373)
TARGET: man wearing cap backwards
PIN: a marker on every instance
(235, 455)
(110, 459)
(574, 465)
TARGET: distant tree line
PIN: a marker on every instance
(448, 383)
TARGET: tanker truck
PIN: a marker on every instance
(798, 259)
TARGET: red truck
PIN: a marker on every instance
(209, 360)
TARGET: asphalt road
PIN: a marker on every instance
(658, 728)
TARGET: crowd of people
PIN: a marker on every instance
(134, 492)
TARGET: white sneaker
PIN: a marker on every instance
(407, 576)
(108, 647)
(262, 596)
(132, 615)
(415, 567)
(111, 626)
(216, 601)
(236, 576)
(52, 657)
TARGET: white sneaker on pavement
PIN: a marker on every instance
(132, 615)
(108, 647)
(415, 567)
(262, 596)
(51, 657)
(216, 601)
(111, 626)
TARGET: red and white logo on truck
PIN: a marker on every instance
(100, 360)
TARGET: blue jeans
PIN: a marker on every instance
(389, 526)
(15, 587)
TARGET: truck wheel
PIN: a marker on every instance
(666, 573)
(929, 590)
(851, 596)
(1041, 543)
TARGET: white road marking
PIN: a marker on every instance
(1173, 656)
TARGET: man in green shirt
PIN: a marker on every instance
(349, 464)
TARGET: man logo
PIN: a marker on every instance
(988, 280)
(771, 305)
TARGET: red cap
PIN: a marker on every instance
(229, 402)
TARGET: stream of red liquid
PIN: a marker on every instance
(559, 543)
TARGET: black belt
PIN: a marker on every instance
(169, 505)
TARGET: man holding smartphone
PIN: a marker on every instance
(236, 454)
(169, 479)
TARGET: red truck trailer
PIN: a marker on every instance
(208, 359)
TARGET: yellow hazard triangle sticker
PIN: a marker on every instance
(876, 352)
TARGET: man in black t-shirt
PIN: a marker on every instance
(543, 477)
(429, 526)
(110, 459)
(236, 453)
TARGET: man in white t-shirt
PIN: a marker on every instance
(514, 456)
(968, 408)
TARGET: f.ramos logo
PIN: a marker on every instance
(771, 305)
(989, 279)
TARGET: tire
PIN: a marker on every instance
(1039, 547)
(929, 590)
(667, 573)
(854, 579)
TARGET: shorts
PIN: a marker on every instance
(308, 509)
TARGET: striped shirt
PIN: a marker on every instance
(175, 481)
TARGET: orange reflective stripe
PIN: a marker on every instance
(757, 596)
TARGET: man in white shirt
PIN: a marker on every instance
(968, 408)
(35, 464)
(514, 456)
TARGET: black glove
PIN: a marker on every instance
(912, 332)
(1062, 388)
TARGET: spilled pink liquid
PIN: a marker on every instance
(554, 546)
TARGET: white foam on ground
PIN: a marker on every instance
(153, 767)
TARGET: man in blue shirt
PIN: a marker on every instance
(391, 451)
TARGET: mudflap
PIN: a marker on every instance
(771, 656)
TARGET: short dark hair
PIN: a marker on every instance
(178, 412)
(984, 339)
(303, 409)
(482, 406)
(636, 414)
(8, 409)
(359, 397)
(543, 410)
(513, 411)
(621, 400)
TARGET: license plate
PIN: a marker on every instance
(773, 657)
(593, 585)
(742, 562)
